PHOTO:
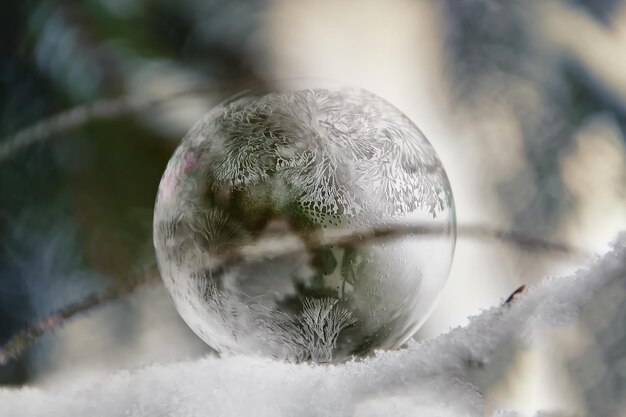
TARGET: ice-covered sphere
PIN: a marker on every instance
(304, 224)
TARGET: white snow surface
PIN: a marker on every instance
(444, 376)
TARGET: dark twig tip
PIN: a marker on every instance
(515, 294)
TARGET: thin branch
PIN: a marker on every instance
(18, 343)
(81, 115)
(515, 295)
(282, 245)
(270, 247)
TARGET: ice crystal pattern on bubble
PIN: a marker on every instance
(289, 163)
(262, 133)
(312, 335)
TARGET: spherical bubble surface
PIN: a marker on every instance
(304, 224)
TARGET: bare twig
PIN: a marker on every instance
(19, 342)
(105, 109)
(282, 245)
(270, 247)
(87, 113)
(515, 294)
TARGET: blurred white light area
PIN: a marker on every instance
(595, 174)
(370, 44)
(159, 78)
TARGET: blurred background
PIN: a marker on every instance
(525, 102)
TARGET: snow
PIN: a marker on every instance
(451, 375)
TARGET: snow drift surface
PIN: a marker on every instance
(445, 376)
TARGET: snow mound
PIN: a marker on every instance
(445, 376)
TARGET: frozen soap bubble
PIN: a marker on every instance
(304, 224)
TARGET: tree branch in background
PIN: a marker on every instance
(268, 247)
(19, 342)
(281, 245)
(87, 113)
